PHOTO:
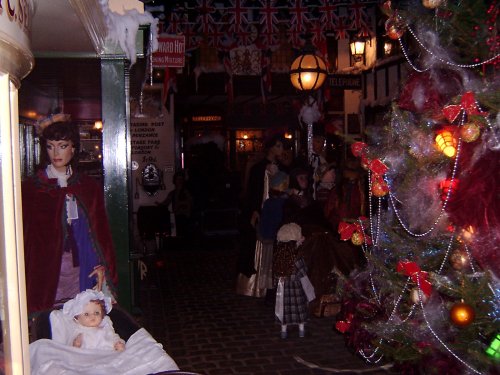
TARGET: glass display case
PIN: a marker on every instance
(90, 157)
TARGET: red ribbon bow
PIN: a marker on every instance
(413, 270)
(346, 230)
(358, 148)
(376, 166)
(343, 325)
(467, 103)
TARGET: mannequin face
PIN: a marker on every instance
(91, 316)
(318, 144)
(60, 153)
(303, 181)
(277, 149)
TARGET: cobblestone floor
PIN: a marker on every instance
(190, 306)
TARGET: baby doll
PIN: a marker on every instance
(92, 328)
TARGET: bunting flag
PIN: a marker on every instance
(299, 15)
(209, 20)
(328, 17)
(340, 28)
(205, 18)
(237, 16)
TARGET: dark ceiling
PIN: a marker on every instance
(71, 85)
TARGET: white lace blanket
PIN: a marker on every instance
(142, 355)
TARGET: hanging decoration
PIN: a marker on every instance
(467, 104)
(416, 296)
(448, 188)
(394, 27)
(353, 232)
(470, 132)
(432, 4)
(462, 314)
(459, 259)
(446, 143)
(494, 349)
(418, 276)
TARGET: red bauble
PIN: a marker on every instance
(462, 314)
(394, 28)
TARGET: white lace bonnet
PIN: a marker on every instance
(75, 306)
(290, 232)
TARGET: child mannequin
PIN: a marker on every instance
(92, 328)
(294, 290)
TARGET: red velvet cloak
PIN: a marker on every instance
(43, 223)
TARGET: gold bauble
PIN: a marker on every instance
(431, 4)
(415, 298)
(459, 259)
(379, 189)
(357, 238)
(470, 132)
(462, 314)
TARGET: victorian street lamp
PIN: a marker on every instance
(307, 74)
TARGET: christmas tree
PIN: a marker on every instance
(428, 300)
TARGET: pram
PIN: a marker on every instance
(145, 355)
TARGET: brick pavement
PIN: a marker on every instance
(189, 305)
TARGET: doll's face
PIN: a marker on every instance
(318, 144)
(60, 153)
(303, 181)
(92, 315)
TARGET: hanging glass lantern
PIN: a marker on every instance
(357, 46)
(447, 143)
(308, 71)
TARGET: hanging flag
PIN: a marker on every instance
(340, 28)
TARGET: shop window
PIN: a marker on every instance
(248, 141)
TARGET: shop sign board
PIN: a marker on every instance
(345, 81)
(15, 23)
(171, 52)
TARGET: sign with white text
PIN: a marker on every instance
(171, 52)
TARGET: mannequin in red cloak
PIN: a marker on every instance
(67, 239)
